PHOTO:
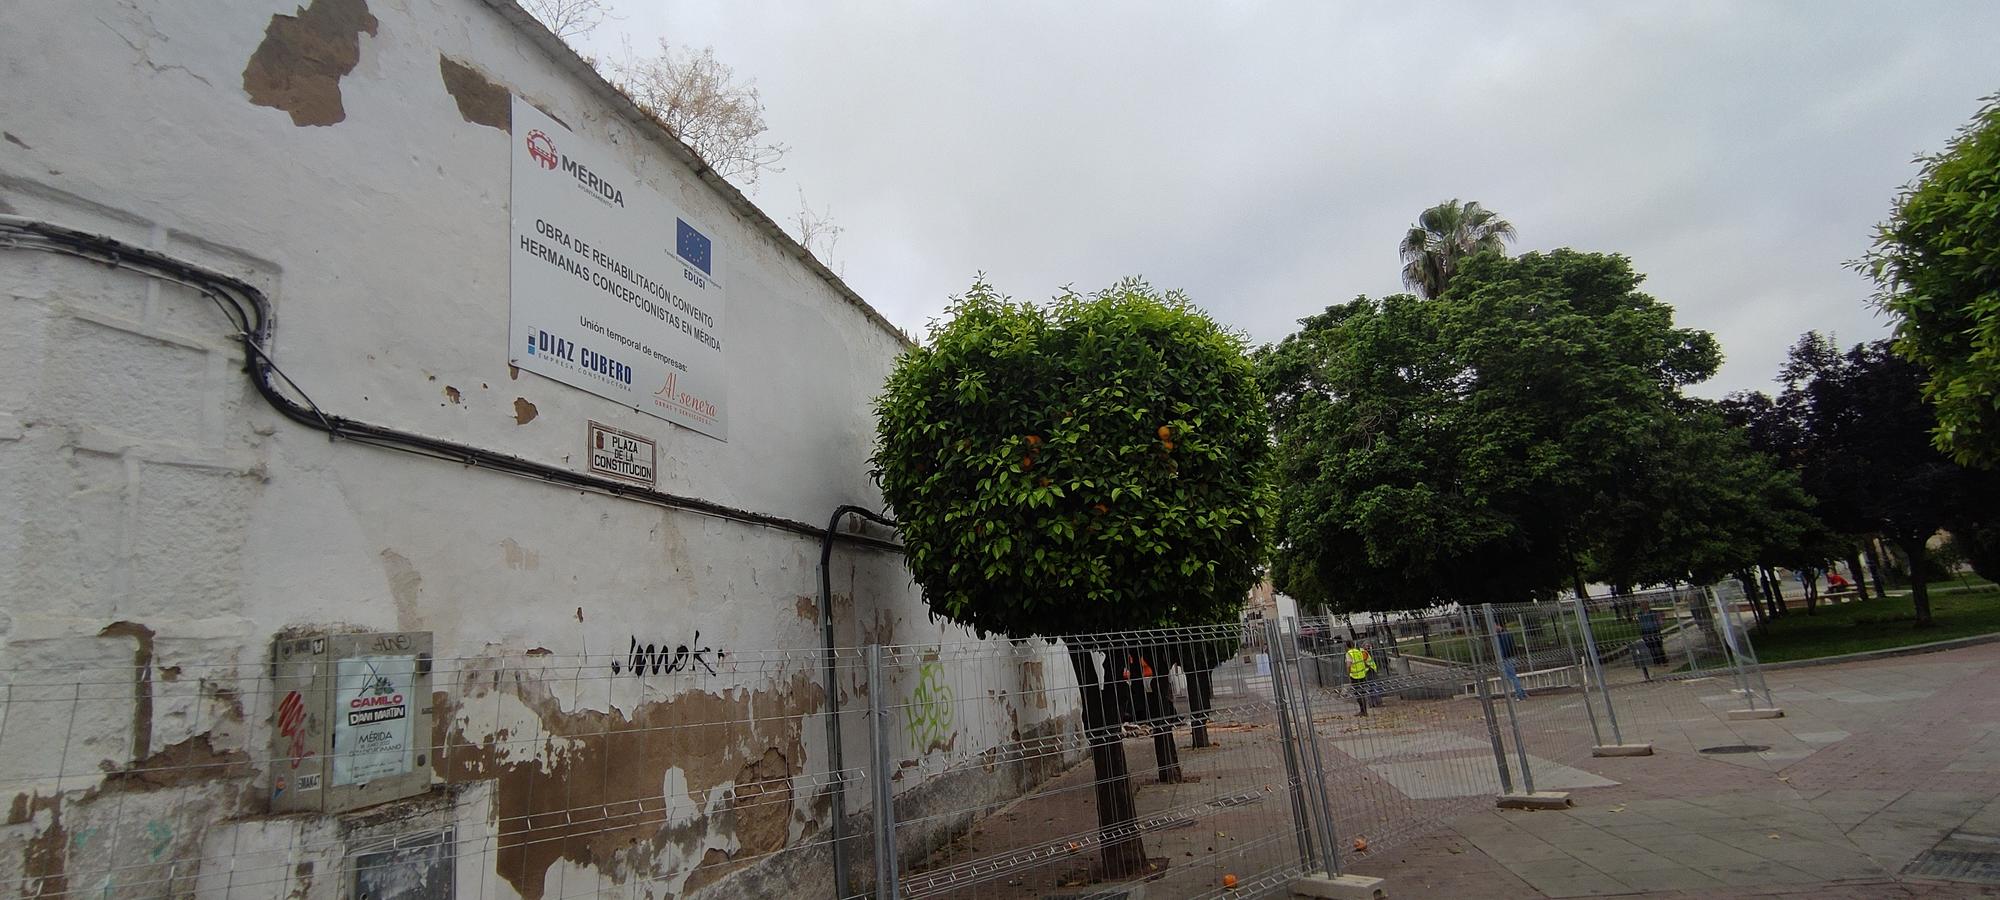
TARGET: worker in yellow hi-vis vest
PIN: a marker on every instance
(1360, 665)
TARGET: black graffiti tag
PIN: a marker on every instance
(664, 659)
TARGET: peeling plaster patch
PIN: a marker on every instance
(11, 139)
(612, 767)
(299, 65)
(142, 684)
(452, 394)
(524, 412)
(881, 631)
(674, 793)
(513, 373)
(45, 861)
(808, 609)
(1034, 683)
(170, 673)
(763, 803)
(480, 100)
(518, 558)
(191, 762)
(406, 585)
(226, 696)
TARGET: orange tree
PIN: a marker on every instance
(1091, 465)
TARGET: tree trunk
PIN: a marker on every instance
(1201, 697)
(1122, 852)
(1860, 577)
(1774, 589)
(1166, 757)
(1920, 589)
(1576, 579)
(1755, 596)
(1874, 554)
(1812, 591)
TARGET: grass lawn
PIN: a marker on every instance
(1559, 632)
(1880, 624)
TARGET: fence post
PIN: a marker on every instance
(1329, 850)
(1749, 649)
(880, 755)
(1688, 641)
(1301, 819)
(1738, 649)
(1530, 798)
(1618, 746)
(1569, 642)
(1513, 719)
(1486, 702)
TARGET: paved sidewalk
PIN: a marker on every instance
(1882, 778)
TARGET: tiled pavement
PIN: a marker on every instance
(1874, 764)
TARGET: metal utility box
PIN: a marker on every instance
(353, 721)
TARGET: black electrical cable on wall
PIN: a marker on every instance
(249, 312)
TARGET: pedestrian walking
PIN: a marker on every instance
(1360, 665)
(1649, 631)
(1508, 650)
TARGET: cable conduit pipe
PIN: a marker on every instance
(249, 312)
(835, 761)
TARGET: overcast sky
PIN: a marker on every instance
(1267, 158)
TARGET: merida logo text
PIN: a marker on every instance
(591, 182)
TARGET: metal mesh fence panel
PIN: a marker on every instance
(1172, 772)
(549, 776)
(1202, 762)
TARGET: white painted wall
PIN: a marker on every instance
(148, 483)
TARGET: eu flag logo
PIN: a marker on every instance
(693, 246)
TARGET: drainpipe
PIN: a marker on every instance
(840, 883)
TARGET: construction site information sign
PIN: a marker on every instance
(614, 289)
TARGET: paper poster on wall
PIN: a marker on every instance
(371, 721)
(615, 289)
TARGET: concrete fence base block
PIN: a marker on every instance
(1622, 750)
(1738, 715)
(1536, 800)
(1339, 887)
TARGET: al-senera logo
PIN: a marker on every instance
(542, 148)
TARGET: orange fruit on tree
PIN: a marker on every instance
(1027, 462)
(1165, 432)
(1034, 439)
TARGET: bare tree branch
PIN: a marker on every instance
(569, 19)
(817, 231)
(699, 100)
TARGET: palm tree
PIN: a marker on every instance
(1445, 234)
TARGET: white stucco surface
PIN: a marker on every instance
(149, 484)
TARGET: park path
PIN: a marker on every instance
(1880, 781)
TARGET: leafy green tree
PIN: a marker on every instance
(1980, 542)
(1936, 264)
(1092, 465)
(1703, 505)
(1868, 457)
(1777, 428)
(1443, 237)
(1462, 448)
